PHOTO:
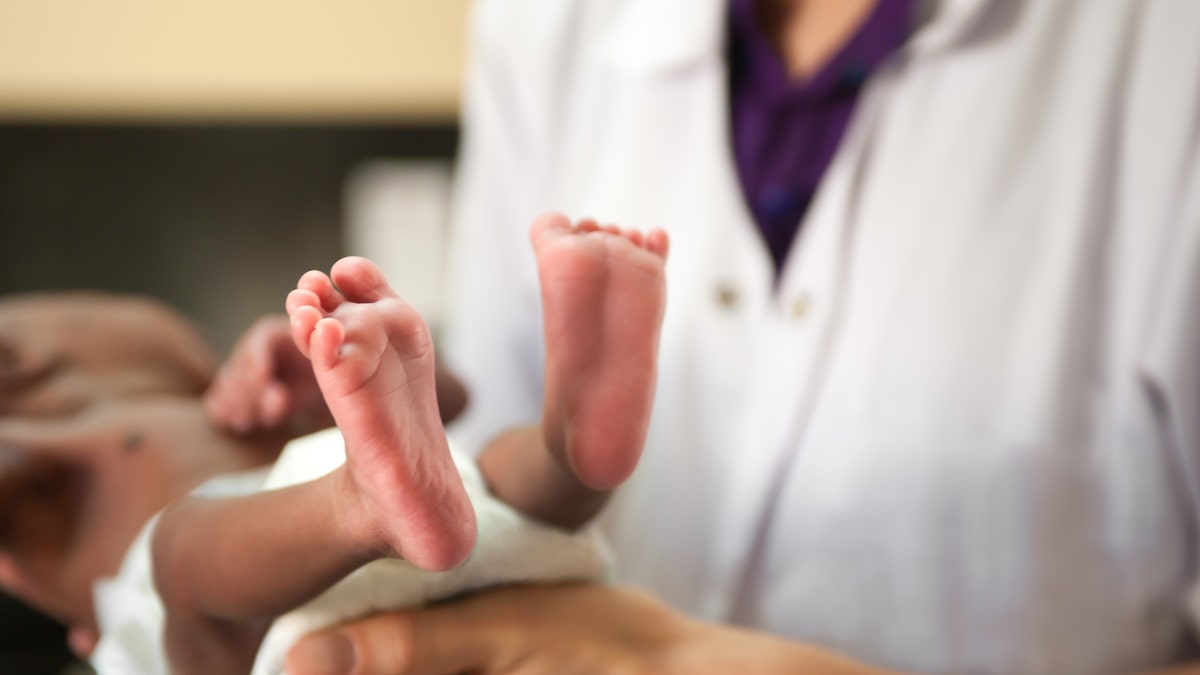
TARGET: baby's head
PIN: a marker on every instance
(100, 427)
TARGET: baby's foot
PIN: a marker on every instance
(373, 358)
(603, 296)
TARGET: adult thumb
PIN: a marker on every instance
(439, 640)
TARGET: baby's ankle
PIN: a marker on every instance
(360, 531)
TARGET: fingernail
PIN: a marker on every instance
(325, 654)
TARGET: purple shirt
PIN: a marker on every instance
(785, 132)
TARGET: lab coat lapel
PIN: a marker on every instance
(944, 24)
(804, 320)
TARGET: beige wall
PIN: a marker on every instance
(340, 60)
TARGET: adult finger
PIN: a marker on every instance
(442, 640)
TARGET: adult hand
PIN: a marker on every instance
(580, 629)
(266, 384)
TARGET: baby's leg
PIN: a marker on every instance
(373, 358)
(603, 295)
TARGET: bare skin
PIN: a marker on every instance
(399, 494)
(582, 629)
(60, 352)
(602, 306)
(808, 33)
(267, 386)
(373, 358)
(600, 367)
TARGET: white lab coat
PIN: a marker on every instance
(962, 434)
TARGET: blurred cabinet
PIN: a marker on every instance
(189, 60)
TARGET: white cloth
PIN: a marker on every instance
(510, 548)
(962, 433)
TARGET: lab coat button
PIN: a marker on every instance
(800, 306)
(727, 295)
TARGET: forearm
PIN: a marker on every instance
(522, 473)
(258, 556)
(594, 628)
(1189, 669)
(713, 649)
(538, 629)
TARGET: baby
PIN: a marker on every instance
(225, 568)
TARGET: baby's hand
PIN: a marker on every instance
(266, 384)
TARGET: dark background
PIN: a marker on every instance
(219, 221)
